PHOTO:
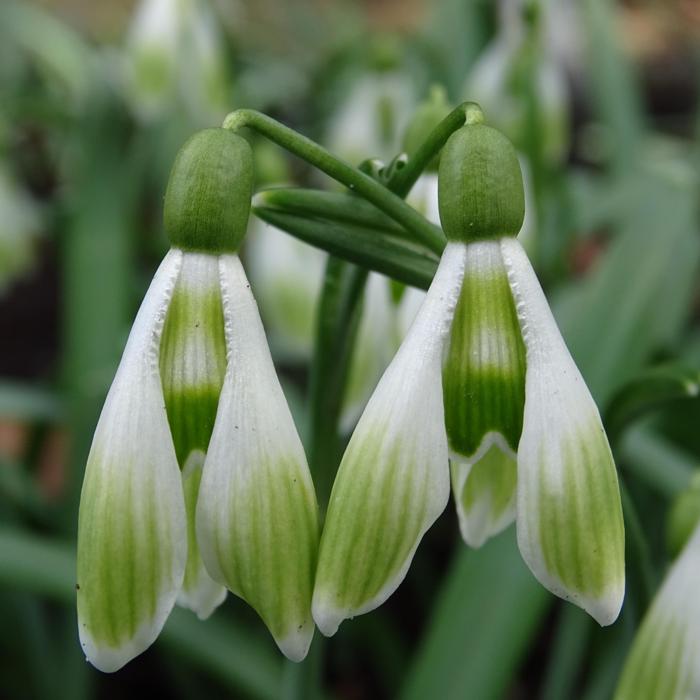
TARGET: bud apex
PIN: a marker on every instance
(207, 202)
(480, 189)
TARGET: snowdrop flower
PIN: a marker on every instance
(196, 479)
(372, 117)
(495, 82)
(174, 53)
(664, 661)
(484, 380)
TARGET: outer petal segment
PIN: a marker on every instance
(665, 658)
(393, 481)
(257, 518)
(132, 540)
(570, 527)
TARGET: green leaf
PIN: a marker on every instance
(341, 207)
(228, 652)
(647, 391)
(629, 306)
(370, 248)
(488, 611)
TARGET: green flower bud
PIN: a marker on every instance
(428, 115)
(207, 202)
(480, 186)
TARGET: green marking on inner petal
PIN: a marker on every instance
(494, 477)
(193, 356)
(580, 524)
(484, 374)
(190, 486)
(125, 552)
(375, 516)
(654, 666)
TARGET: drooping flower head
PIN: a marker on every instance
(196, 480)
(483, 380)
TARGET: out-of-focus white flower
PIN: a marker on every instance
(371, 120)
(288, 276)
(495, 82)
(174, 56)
(664, 661)
(19, 224)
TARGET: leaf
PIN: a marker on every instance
(488, 610)
(228, 652)
(335, 206)
(370, 248)
(629, 306)
(647, 391)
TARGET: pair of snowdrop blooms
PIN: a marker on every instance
(197, 481)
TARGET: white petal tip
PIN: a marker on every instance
(295, 646)
(110, 659)
(203, 603)
(605, 610)
(327, 617)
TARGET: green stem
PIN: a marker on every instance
(405, 178)
(354, 179)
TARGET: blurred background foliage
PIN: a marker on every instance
(601, 99)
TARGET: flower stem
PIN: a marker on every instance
(351, 177)
(404, 178)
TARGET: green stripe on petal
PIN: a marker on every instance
(664, 661)
(132, 531)
(193, 354)
(484, 489)
(200, 593)
(257, 518)
(484, 371)
(393, 481)
(570, 527)
(192, 368)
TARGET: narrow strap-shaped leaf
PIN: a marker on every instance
(649, 390)
(483, 623)
(336, 206)
(370, 248)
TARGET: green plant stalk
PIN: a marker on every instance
(357, 181)
(369, 248)
(404, 178)
(342, 207)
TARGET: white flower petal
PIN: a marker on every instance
(393, 481)
(200, 593)
(132, 540)
(664, 661)
(192, 369)
(484, 488)
(257, 518)
(570, 527)
(483, 380)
